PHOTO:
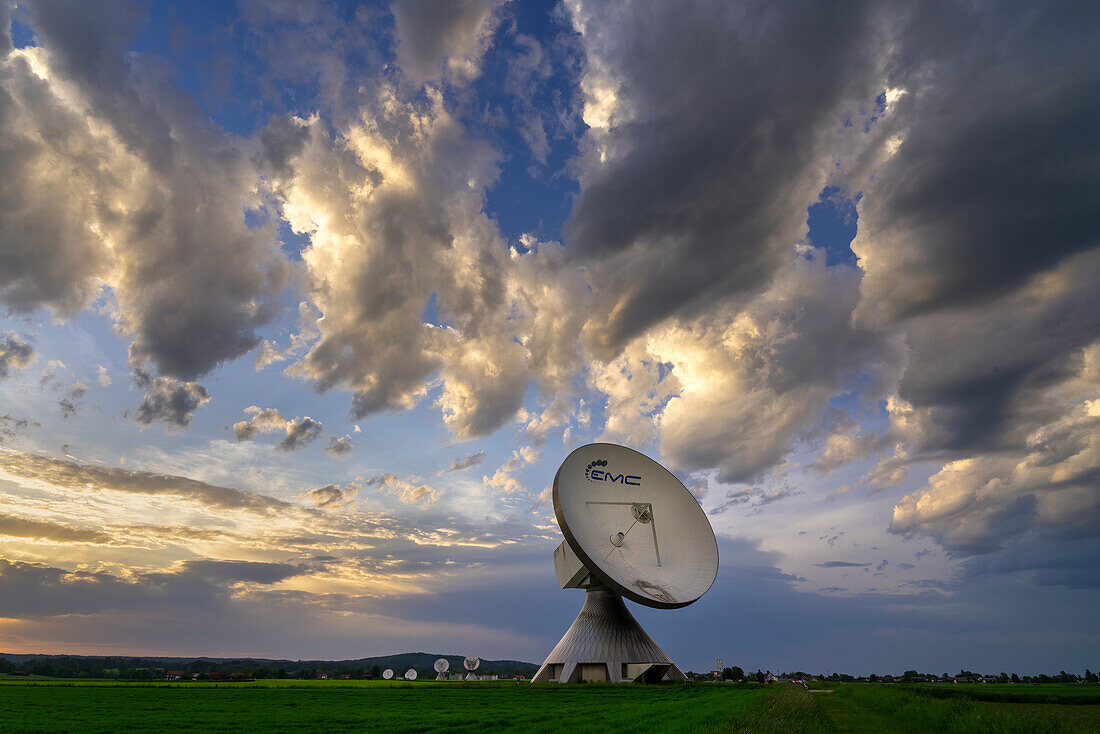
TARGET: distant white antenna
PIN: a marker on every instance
(470, 663)
(441, 667)
(410, 674)
(387, 673)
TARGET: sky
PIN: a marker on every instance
(303, 303)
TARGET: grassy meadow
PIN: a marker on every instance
(341, 706)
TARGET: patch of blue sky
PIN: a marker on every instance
(293, 243)
(21, 33)
(531, 195)
(832, 223)
(430, 314)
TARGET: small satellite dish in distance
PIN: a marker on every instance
(410, 674)
(387, 673)
(471, 662)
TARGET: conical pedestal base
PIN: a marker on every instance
(606, 644)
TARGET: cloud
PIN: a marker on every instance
(124, 184)
(464, 462)
(22, 527)
(10, 426)
(36, 590)
(1042, 561)
(415, 233)
(994, 180)
(237, 571)
(748, 383)
(332, 495)
(300, 432)
(755, 497)
(339, 447)
(697, 170)
(103, 377)
(846, 443)
(71, 400)
(407, 491)
(448, 40)
(985, 274)
(263, 420)
(841, 564)
(979, 503)
(503, 480)
(168, 400)
(14, 354)
(21, 467)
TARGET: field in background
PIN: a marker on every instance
(337, 706)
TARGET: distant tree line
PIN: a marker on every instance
(132, 668)
(735, 673)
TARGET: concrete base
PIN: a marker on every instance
(605, 644)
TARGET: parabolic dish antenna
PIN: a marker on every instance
(471, 662)
(631, 529)
(387, 673)
(441, 667)
(410, 674)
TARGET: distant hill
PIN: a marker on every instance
(421, 661)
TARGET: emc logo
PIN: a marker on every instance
(593, 473)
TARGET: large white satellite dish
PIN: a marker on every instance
(441, 666)
(410, 674)
(631, 529)
(387, 673)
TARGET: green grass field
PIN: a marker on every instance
(341, 706)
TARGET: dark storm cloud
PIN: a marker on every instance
(33, 590)
(299, 434)
(1043, 561)
(234, 571)
(727, 113)
(82, 477)
(37, 590)
(998, 171)
(979, 234)
(14, 353)
(775, 625)
(149, 199)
